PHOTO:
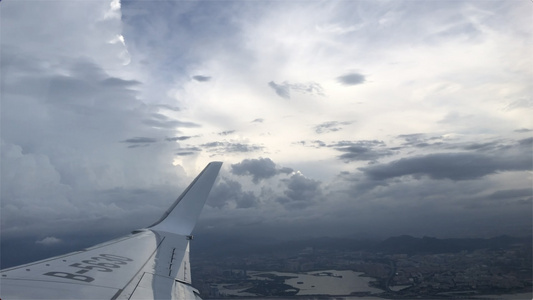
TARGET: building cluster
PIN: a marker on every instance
(480, 271)
(399, 275)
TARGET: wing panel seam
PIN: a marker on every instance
(140, 270)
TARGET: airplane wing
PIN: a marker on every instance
(150, 263)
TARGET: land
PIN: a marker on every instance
(402, 267)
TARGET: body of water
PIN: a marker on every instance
(328, 282)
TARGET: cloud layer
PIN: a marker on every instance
(348, 118)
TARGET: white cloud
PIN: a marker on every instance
(114, 10)
(49, 241)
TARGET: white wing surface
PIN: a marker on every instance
(151, 263)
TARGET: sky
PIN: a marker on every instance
(363, 119)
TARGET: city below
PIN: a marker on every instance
(397, 268)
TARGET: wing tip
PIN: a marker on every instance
(194, 198)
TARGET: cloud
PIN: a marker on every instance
(262, 168)
(330, 126)
(284, 90)
(523, 103)
(168, 107)
(201, 78)
(523, 144)
(481, 146)
(227, 132)
(455, 117)
(69, 106)
(162, 121)
(301, 192)
(314, 144)
(228, 147)
(49, 241)
(351, 79)
(454, 166)
(140, 140)
(187, 151)
(178, 138)
(228, 191)
(509, 194)
(415, 138)
(523, 130)
(361, 150)
(66, 102)
(431, 143)
(421, 141)
(311, 88)
(119, 82)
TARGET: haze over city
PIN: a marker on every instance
(333, 118)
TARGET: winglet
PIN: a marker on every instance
(181, 217)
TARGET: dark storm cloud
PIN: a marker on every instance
(259, 169)
(454, 166)
(330, 126)
(361, 150)
(227, 191)
(140, 140)
(225, 147)
(282, 90)
(259, 120)
(301, 192)
(201, 78)
(523, 130)
(351, 79)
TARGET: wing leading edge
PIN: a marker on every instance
(151, 263)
